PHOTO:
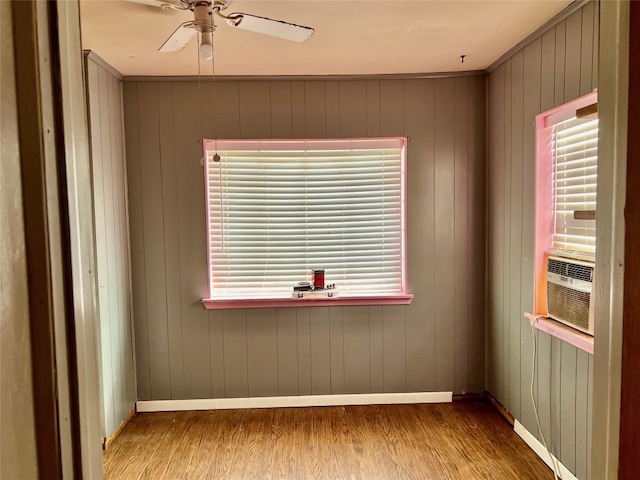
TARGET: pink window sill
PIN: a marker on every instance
(399, 299)
(567, 334)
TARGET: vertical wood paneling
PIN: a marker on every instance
(547, 73)
(171, 238)
(139, 290)
(560, 57)
(216, 353)
(317, 350)
(287, 354)
(460, 235)
(356, 350)
(515, 225)
(332, 109)
(568, 406)
(108, 248)
(105, 113)
(127, 370)
(314, 109)
(320, 351)
(496, 361)
(394, 370)
(262, 352)
(573, 55)
(222, 118)
(102, 262)
(304, 350)
(193, 261)
(444, 189)
(280, 108)
(353, 109)
(298, 109)
(234, 324)
(128, 366)
(554, 68)
(391, 108)
(336, 343)
(255, 110)
(376, 350)
(554, 440)
(531, 84)
(419, 104)
(373, 108)
(113, 244)
(543, 382)
(582, 388)
(586, 49)
(476, 236)
(506, 211)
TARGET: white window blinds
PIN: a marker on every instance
(575, 164)
(278, 209)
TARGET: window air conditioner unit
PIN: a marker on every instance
(569, 289)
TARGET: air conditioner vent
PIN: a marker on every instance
(572, 270)
(569, 286)
(570, 305)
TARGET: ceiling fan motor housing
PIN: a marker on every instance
(203, 17)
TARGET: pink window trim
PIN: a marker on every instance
(544, 211)
(565, 333)
(544, 203)
(401, 298)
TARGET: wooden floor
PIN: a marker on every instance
(460, 440)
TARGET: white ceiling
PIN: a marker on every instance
(351, 37)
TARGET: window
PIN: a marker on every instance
(566, 185)
(276, 209)
(575, 164)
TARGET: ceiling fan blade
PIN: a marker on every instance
(164, 4)
(268, 26)
(179, 39)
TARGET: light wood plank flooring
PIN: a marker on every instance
(460, 440)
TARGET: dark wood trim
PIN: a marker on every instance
(590, 111)
(471, 397)
(630, 390)
(487, 397)
(35, 140)
(503, 411)
(584, 214)
(106, 443)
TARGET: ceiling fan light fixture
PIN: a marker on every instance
(205, 50)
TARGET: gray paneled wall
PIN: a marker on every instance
(557, 67)
(435, 344)
(112, 244)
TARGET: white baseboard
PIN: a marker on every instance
(294, 401)
(538, 448)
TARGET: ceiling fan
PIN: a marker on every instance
(204, 12)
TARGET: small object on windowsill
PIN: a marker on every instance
(559, 330)
(302, 287)
(318, 278)
(317, 294)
